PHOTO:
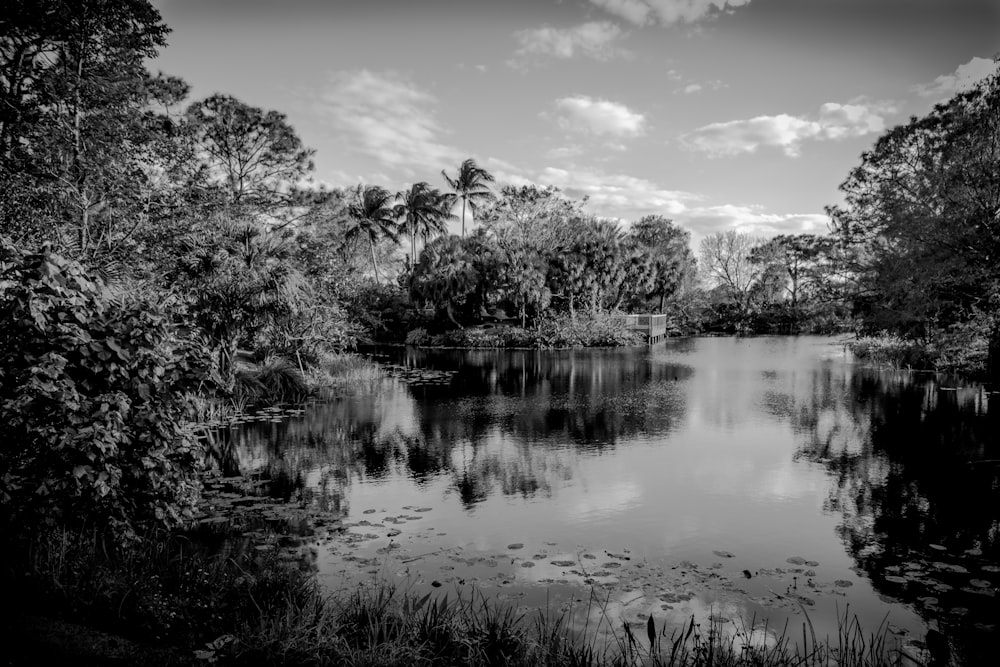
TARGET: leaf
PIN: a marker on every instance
(651, 633)
(421, 602)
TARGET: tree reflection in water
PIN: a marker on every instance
(916, 480)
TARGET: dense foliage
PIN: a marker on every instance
(95, 400)
(922, 223)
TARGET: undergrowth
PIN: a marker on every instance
(225, 606)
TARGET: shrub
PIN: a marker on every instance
(94, 401)
(274, 380)
(893, 350)
(558, 332)
(417, 337)
(593, 331)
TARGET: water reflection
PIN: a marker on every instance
(916, 481)
(763, 449)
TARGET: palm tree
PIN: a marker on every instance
(422, 210)
(470, 185)
(372, 216)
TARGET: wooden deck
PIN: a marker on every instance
(653, 326)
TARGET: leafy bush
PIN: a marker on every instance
(593, 331)
(94, 401)
(558, 332)
(895, 351)
(417, 336)
(383, 311)
(274, 380)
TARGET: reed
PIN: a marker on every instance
(232, 607)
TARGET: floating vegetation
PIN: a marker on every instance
(419, 376)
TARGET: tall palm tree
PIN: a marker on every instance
(471, 186)
(373, 217)
(422, 211)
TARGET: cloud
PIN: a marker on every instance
(634, 11)
(851, 120)
(697, 87)
(599, 117)
(616, 195)
(834, 121)
(387, 117)
(666, 12)
(705, 220)
(563, 152)
(627, 198)
(593, 40)
(963, 78)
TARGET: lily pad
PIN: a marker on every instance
(980, 583)
(949, 567)
(723, 554)
(796, 560)
(895, 580)
(843, 583)
(515, 546)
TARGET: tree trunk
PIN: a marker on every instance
(663, 296)
(227, 362)
(371, 244)
(463, 217)
(993, 355)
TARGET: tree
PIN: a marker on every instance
(254, 158)
(669, 252)
(471, 186)
(807, 263)
(530, 217)
(241, 280)
(922, 212)
(445, 276)
(75, 126)
(422, 211)
(726, 260)
(525, 283)
(373, 217)
(587, 266)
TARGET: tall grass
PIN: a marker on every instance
(274, 380)
(338, 374)
(246, 608)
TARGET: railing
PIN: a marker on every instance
(654, 326)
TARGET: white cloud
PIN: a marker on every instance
(667, 12)
(563, 152)
(963, 78)
(600, 117)
(704, 220)
(635, 11)
(628, 198)
(698, 87)
(616, 195)
(834, 121)
(594, 40)
(387, 117)
(745, 136)
(851, 120)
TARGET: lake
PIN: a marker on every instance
(736, 480)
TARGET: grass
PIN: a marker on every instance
(214, 604)
(344, 373)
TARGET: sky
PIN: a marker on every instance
(738, 114)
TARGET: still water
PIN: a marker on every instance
(735, 479)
